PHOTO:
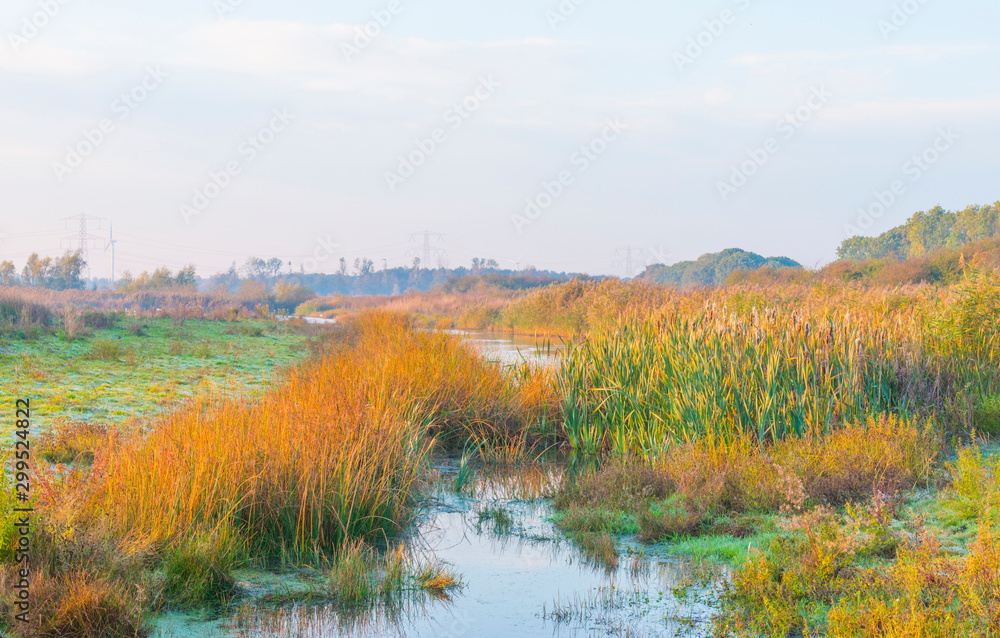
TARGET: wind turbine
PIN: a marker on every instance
(517, 263)
(111, 244)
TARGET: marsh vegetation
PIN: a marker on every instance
(817, 457)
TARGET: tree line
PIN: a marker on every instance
(60, 273)
(926, 232)
(712, 269)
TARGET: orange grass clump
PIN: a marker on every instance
(328, 455)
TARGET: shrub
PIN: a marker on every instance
(669, 519)
(107, 349)
(73, 441)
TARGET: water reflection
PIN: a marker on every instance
(521, 577)
(512, 349)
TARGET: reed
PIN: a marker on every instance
(644, 383)
(331, 454)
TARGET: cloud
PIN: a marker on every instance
(46, 58)
(921, 53)
(913, 112)
(312, 57)
(718, 96)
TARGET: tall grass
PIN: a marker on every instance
(23, 317)
(331, 454)
(644, 383)
(766, 376)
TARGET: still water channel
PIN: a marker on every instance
(519, 578)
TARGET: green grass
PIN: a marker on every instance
(496, 519)
(720, 548)
(115, 374)
(199, 570)
(596, 519)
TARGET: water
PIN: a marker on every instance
(520, 578)
(509, 349)
(314, 320)
(506, 349)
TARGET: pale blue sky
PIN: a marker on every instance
(323, 176)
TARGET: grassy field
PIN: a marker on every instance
(143, 366)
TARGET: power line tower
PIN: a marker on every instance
(83, 238)
(633, 258)
(429, 250)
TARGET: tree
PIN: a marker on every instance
(187, 277)
(36, 270)
(255, 268)
(65, 273)
(290, 296)
(161, 278)
(926, 232)
(273, 267)
(712, 269)
(8, 274)
(126, 280)
(363, 267)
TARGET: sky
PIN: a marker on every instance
(537, 133)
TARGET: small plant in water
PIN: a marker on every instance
(599, 548)
(465, 472)
(497, 518)
(361, 575)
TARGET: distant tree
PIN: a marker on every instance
(926, 232)
(66, 272)
(8, 274)
(288, 296)
(252, 290)
(161, 278)
(255, 268)
(187, 277)
(363, 267)
(273, 267)
(712, 269)
(126, 280)
(36, 270)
